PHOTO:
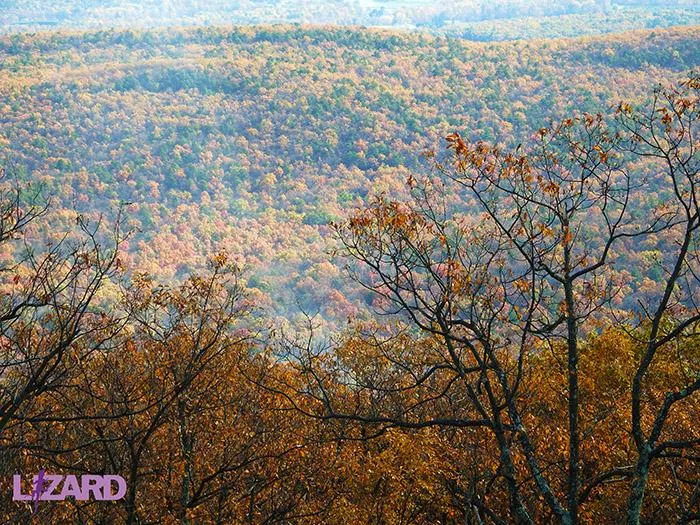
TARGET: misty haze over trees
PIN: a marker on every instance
(440, 271)
(465, 18)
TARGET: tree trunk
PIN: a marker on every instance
(131, 517)
(573, 408)
(634, 505)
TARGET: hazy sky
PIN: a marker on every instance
(29, 15)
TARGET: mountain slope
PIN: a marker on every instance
(252, 139)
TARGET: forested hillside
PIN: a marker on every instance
(502, 241)
(529, 26)
(252, 140)
(507, 380)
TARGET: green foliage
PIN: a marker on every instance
(252, 139)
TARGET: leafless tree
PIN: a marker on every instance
(531, 262)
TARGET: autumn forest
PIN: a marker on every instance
(444, 272)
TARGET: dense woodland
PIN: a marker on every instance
(253, 140)
(310, 275)
(569, 25)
